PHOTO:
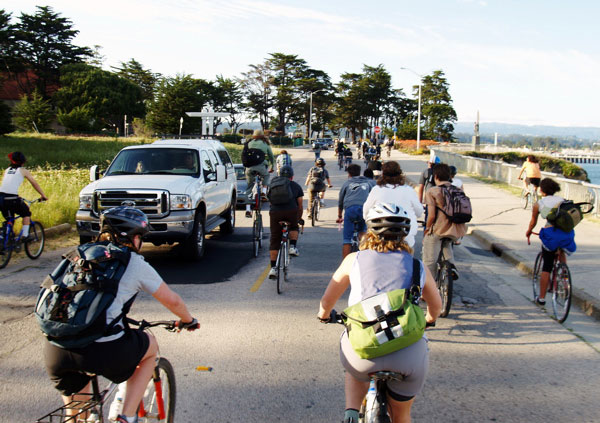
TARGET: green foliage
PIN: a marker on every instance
(33, 114)
(79, 119)
(134, 72)
(5, 119)
(547, 164)
(230, 138)
(436, 107)
(104, 95)
(140, 128)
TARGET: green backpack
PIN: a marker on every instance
(568, 214)
(386, 322)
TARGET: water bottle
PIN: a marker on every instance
(93, 417)
(371, 406)
(116, 407)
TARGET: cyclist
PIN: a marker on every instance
(426, 179)
(390, 145)
(391, 188)
(364, 147)
(259, 141)
(315, 181)
(378, 151)
(347, 153)
(291, 212)
(10, 202)
(383, 247)
(353, 194)
(368, 173)
(339, 148)
(438, 226)
(283, 159)
(552, 238)
(375, 166)
(533, 174)
(129, 355)
(317, 149)
(458, 183)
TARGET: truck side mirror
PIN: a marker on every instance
(221, 173)
(94, 173)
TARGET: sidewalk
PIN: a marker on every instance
(499, 222)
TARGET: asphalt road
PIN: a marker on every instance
(497, 357)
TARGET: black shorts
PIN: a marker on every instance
(281, 216)
(115, 360)
(547, 260)
(13, 205)
(533, 181)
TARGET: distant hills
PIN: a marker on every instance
(503, 129)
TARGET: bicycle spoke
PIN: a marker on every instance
(561, 295)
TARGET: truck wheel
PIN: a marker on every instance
(193, 247)
(229, 225)
(84, 239)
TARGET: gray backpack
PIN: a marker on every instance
(457, 206)
(280, 191)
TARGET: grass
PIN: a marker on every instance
(502, 185)
(60, 164)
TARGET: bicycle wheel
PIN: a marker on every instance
(35, 245)
(313, 213)
(317, 209)
(5, 248)
(260, 230)
(561, 294)
(286, 259)
(444, 284)
(524, 198)
(535, 278)
(150, 407)
(255, 237)
(280, 260)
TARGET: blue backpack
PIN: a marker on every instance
(72, 304)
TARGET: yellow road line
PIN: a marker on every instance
(260, 280)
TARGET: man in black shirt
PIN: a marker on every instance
(284, 209)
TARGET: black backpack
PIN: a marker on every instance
(72, 304)
(280, 191)
(252, 156)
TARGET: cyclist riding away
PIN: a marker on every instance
(552, 238)
(123, 354)
(533, 174)
(10, 202)
(315, 181)
(426, 179)
(391, 188)
(438, 226)
(285, 198)
(260, 142)
(347, 153)
(458, 183)
(353, 194)
(383, 247)
(283, 159)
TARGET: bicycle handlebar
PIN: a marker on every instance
(37, 200)
(170, 325)
(335, 317)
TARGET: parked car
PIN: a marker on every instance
(320, 144)
(326, 141)
(242, 185)
(187, 188)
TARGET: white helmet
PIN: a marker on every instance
(388, 220)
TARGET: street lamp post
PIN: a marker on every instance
(310, 113)
(418, 107)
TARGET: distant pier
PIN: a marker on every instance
(580, 158)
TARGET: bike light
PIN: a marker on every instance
(86, 201)
(181, 202)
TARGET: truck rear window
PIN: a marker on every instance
(159, 161)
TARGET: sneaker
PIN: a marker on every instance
(248, 213)
(122, 419)
(294, 251)
(540, 302)
(273, 273)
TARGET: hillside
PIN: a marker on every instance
(565, 132)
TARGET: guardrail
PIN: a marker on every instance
(577, 191)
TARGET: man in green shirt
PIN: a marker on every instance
(263, 169)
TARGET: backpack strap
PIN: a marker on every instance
(415, 287)
(112, 328)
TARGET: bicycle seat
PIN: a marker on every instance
(387, 375)
(284, 223)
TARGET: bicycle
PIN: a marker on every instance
(529, 196)
(355, 241)
(347, 162)
(283, 256)
(559, 284)
(9, 241)
(443, 278)
(340, 160)
(257, 224)
(315, 207)
(158, 403)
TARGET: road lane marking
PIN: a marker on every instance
(260, 280)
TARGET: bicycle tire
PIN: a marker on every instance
(445, 284)
(317, 209)
(535, 277)
(561, 293)
(6, 247)
(279, 266)
(255, 238)
(286, 260)
(35, 246)
(167, 379)
(524, 198)
(313, 212)
(260, 230)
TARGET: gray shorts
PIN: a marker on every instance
(412, 362)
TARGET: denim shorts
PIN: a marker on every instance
(353, 214)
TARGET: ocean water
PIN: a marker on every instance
(593, 171)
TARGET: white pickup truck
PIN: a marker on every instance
(186, 188)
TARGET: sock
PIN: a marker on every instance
(351, 415)
(129, 419)
(25, 230)
(247, 207)
(273, 263)
(293, 242)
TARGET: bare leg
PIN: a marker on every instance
(136, 385)
(355, 391)
(400, 410)
(346, 249)
(544, 280)
(69, 398)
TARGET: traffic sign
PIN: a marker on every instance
(395, 129)
(377, 129)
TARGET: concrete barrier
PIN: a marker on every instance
(578, 191)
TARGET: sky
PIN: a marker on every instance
(533, 62)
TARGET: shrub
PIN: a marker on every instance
(230, 138)
(33, 115)
(78, 119)
(140, 128)
(5, 119)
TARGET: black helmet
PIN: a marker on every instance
(16, 158)
(286, 171)
(124, 222)
(388, 220)
(453, 170)
(320, 162)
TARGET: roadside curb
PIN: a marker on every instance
(584, 301)
(58, 229)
